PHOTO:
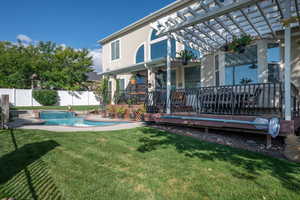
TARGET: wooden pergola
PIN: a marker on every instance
(207, 25)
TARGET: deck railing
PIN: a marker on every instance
(130, 97)
(250, 99)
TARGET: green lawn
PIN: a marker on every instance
(77, 108)
(141, 163)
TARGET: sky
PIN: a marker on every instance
(75, 23)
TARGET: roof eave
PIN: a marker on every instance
(148, 19)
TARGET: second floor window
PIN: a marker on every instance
(115, 50)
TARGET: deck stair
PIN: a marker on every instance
(292, 149)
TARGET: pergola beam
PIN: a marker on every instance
(200, 46)
(211, 15)
(279, 8)
(297, 9)
(204, 7)
(198, 38)
(231, 18)
(251, 24)
(192, 12)
(206, 34)
(266, 20)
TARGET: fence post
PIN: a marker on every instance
(31, 90)
(5, 109)
(14, 97)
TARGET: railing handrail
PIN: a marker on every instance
(243, 99)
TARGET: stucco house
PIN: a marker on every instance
(263, 80)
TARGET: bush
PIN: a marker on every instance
(46, 97)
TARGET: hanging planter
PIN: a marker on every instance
(238, 45)
(185, 56)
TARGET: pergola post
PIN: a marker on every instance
(169, 54)
(287, 62)
(113, 89)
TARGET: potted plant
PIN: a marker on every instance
(238, 44)
(121, 112)
(132, 114)
(245, 81)
(186, 56)
(111, 111)
(133, 79)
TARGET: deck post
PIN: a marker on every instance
(287, 62)
(113, 89)
(169, 54)
(269, 141)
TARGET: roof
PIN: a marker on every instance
(148, 19)
(160, 62)
(93, 76)
(136, 67)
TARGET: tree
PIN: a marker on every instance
(56, 67)
(102, 92)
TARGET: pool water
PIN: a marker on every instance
(60, 118)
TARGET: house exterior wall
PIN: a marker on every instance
(208, 71)
(129, 45)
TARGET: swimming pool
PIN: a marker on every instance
(63, 118)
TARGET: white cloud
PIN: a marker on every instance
(24, 38)
(63, 46)
(96, 55)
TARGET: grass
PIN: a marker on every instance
(141, 163)
(76, 108)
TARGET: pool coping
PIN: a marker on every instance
(36, 123)
(81, 129)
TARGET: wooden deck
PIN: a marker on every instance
(287, 127)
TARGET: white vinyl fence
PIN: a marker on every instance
(23, 97)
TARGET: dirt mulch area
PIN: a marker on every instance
(251, 142)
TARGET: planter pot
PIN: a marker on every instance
(111, 115)
(120, 116)
(132, 116)
(132, 81)
(184, 61)
(225, 48)
(241, 49)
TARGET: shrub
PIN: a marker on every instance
(45, 97)
(121, 111)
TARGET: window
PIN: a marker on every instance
(140, 55)
(241, 68)
(115, 50)
(273, 56)
(161, 79)
(192, 77)
(242, 74)
(159, 49)
(217, 70)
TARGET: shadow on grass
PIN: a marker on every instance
(24, 175)
(254, 164)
